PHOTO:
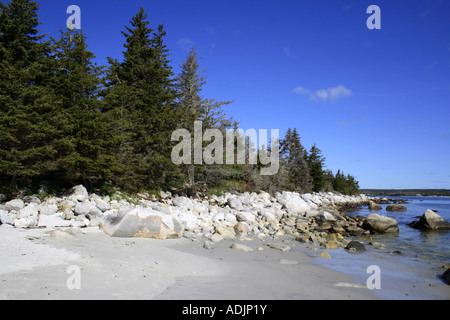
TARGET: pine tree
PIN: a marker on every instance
(294, 155)
(83, 153)
(26, 131)
(141, 92)
(194, 107)
(316, 163)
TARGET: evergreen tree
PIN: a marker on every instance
(194, 107)
(83, 153)
(26, 132)
(294, 155)
(316, 163)
(140, 90)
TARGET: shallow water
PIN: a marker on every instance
(410, 261)
(432, 247)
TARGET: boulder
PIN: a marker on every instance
(102, 205)
(77, 193)
(240, 229)
(431, 221)
(395, 207)
(324, 255)
(52, 221)
(245, 216)
(374, 206)
(293, 202)
(241, 247)
(16, 205)
(83, 208)
(235, 203)
(446, 276)
(377, 223)
(226, 233)
(355, 247)
(184, 203)
(48, 209)
(8, 217)
(143, 223)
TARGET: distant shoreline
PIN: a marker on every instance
(406, 192)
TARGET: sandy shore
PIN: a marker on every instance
(34, 265)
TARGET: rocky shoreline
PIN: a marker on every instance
(316, 218)
(248, 222)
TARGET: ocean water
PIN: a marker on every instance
(432, 247)
(410, 261)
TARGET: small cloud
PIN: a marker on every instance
(210, 30)
(289, 53)
(301, 90)
(330, 94)
(324, 95)
(185, 44)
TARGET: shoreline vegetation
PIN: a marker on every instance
(65, 120)
(406, 192)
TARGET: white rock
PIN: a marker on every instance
(245, 216)
(83, 208)
(235, 203)
(25, 223)
(241, 247)
(78, 193)
(293, 202)
(48, 209)
(102, 205)
(66, 206)
(183, 202)
(8, 217)
(30, 211)
(326, 216)
(16, 205)
(144, 223)
(52, 221)
(216, 237)
(230, 218)
(189, 220)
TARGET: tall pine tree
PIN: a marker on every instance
(83, 153)
(294, 155)
(141, 92)
(26, 131)
(194, 107)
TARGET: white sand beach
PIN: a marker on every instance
(34, 265)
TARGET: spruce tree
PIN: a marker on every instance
(141, 92)
(83, 153)
(26, 130)
(295, 155)
(316, 163)
(195, 107)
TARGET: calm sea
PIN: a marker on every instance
(432, 247)
(411, 255)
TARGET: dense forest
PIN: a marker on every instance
(65, 120)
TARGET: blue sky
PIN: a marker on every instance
(376, 102)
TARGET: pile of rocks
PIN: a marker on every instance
(310, 217)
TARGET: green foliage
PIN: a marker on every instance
(26, 144)
(64, 120)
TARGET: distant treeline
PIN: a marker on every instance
(64, 120)
(406, 192)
